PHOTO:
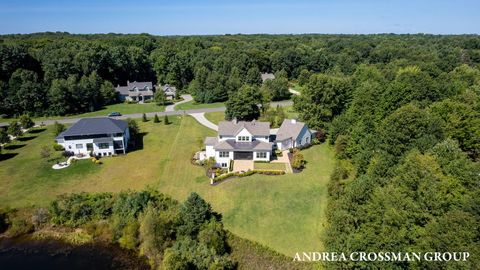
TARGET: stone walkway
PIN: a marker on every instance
(284, 159)
(171, 108)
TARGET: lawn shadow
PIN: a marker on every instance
(37, 130)
(13, 146)
(7, 156)
(137, 143)
(24, 139)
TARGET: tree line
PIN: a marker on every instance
(60, 73)
(407, 142)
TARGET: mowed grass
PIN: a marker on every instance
(122, 108)
(284, 212)
(269, 166)
(216, 117)
(193, 105)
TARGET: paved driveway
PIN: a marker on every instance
(150, 114)
(171, 108)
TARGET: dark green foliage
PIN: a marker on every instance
(243, 105)
(160, 98)
(324, 97)
(165, 120)
(277, 89)
(76, 209)
(133, 128)
(14, 129)
(155, 119)
(4, 138)
(409, 127)
(58, 128)
(26, 122)
(194, 212)
(144, 117)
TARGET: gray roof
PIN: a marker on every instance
(267, 76)
(128, 89)
(243, 146)
(290, 128)
(168, 89)
(232, 128)
(211, 140)
(94, 126)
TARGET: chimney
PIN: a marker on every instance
(235, 121)
(128, 81)
(294, 121)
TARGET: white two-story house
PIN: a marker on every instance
(103, 136)
(239, 141)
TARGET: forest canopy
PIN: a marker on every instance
(61, 73)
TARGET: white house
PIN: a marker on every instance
(103, 136)
(135, 91)
(240, 141)
(293, 133)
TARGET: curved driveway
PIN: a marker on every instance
(171, 108)
(150, 114)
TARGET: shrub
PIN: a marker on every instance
(14, 129)
(58, 128)
(155, 119)
(298, 161)
(45, 152)
(144, 117)
(321, 135)
(98, 162)
(67, 154)
(19, 226)
(40, 216)
(58, 147)
(165, 120)
(26, 122)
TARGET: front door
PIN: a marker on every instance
(243, 155)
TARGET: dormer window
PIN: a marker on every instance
(243, 138)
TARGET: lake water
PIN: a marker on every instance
(19, 254)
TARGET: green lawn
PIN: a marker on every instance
(193, 105)
(215, 117)
(122, 108)
(269, 166)
(284, 212)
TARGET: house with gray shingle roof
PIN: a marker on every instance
(240, 140)
(267, 76)
(293, 133)
(103, 136)
(135, 91)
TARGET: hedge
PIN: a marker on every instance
(247, 173)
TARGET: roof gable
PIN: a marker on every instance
(232, 128)
(290, 128)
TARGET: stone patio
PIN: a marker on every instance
(242, 165)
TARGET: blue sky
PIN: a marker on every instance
(222, 17)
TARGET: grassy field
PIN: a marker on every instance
(284, 212)
(193, 105)
(122, 108)
(269, 166)
(216, 117)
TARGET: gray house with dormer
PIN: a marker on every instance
(135, 91)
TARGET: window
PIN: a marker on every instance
(243, 138)
(103, 146)
(261, 154)
(223, 165)
(224, 154)
(79, 146)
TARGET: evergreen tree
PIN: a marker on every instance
(155, 119)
